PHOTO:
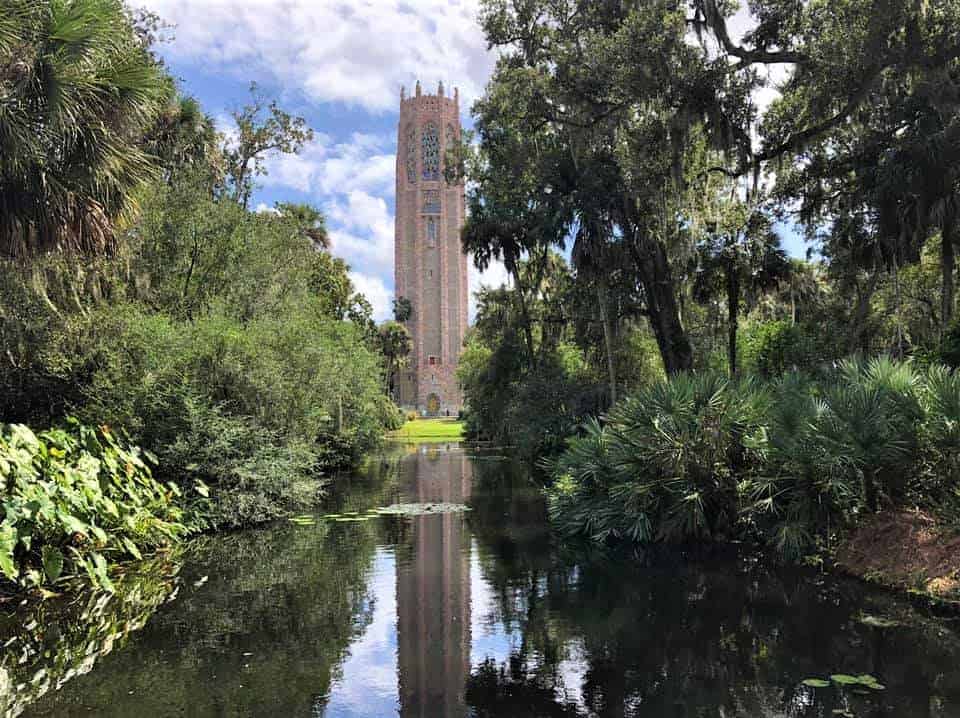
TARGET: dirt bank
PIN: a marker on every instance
(905, 550)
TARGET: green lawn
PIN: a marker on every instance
(429, 430)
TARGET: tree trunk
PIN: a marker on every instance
(861, 312)
(663, 311)
(524, 310)
(733, 314)
(607, 339)
(660, 293)
(947, 263)
(898, 352)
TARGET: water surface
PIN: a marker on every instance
(467, 614)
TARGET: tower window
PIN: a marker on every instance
(430, 147)
(433, 361)
(451, 144)
(411, 158)
(431, 201)
(431, 232)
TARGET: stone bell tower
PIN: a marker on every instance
(430, 267)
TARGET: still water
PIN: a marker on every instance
(467, 614)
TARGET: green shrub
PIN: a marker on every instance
(266, 409)
(771, 349)
(254, 474)
(76, 499)
(785, 463)
(939, 485)
(799, 490)
(666, 465)
(872, 422)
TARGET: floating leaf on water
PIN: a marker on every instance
(863, 679)
(844, 680)
(816, 683)
(303, 520)
(870, 682)
(350, 519)
(421, 509)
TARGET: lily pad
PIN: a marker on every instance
(844, 680)
(864, 680)
(816, 683)
(421, 509)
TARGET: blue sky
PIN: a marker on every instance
(340, 65)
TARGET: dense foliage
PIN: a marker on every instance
(789, 462)
(636, 168)
(77, 498)
(137, 290)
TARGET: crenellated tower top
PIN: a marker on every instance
(437, 102)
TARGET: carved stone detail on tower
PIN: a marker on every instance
(430, 268)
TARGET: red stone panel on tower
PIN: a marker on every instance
(430, 267)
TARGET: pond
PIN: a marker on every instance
(457, 613)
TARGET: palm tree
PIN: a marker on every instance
(738, 254)
(183, 137)
(78, 92)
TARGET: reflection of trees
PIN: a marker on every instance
(265, 635)
(512, 690)
(678, 639)
(47, 644)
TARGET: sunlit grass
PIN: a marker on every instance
(429, 430)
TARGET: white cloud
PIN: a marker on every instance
(376, 292)
(493, 277)
(297, 171)
(264, 208)
(366, 163)
(362, 232)
(357, 53)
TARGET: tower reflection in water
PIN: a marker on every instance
(433, 587)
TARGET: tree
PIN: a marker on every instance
(738, 253)
(599, 260)
(601, 78)
(395, 344)
(184, 138)
(261, 128)
(516, 211)
(402, 309)
(309, 220)
(78, 92)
